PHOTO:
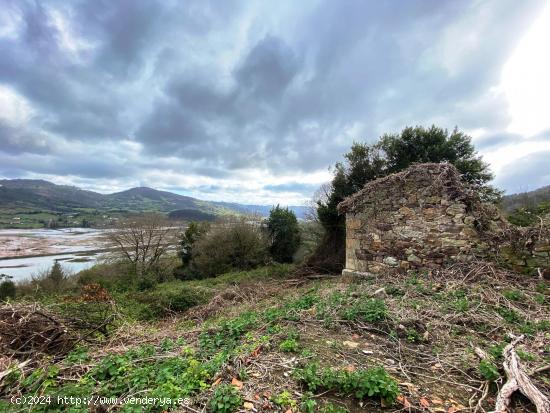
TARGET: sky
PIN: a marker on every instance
(253, 101)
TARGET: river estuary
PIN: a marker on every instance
(24, 253)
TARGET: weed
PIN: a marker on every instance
(290, 345)
(226, 337)
(413, 336)
(373, 382)
(496, 350)
(394, 291)
(372, 310)
(488, 370)
(284, 399)
(513, 295)
(308, 404)
(462, 305)
(510, 315)
(226, 399)
(78, 355)
(331, 408)
(526, 356)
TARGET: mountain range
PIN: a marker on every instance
(39, 195)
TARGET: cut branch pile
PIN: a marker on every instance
(30, 330)
(26, 330)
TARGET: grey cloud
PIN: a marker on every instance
(61, 165)
(233, 85)
(526, 174)
(16, 140)
(268, 68)
(496, 140)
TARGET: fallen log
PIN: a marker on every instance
(517, 379)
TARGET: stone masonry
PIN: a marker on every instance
(422, 217)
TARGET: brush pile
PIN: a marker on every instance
(29, 329)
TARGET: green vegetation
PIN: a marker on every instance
(373, 382)
(235, 246)
(488, 370)
(284, 234)
(229, 323)
(526, 216)
(225, 399)
(7, 288)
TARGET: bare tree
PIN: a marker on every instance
(142, 241)
(321, 195)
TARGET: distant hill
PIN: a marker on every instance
(23, 195)
(191, 215)
(526, 199)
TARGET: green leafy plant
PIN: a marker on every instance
(371, 310)
(225, 399)
(413, 336)
(308, 404)
(373, 382)
(513, 295)
(290, 345)
(488, 370)
(510, 315)
(284, 399)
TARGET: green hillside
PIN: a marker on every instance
(39, 203)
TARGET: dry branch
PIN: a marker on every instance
(518, 380)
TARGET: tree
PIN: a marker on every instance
(142, 241)
(56, 275)
(192, 233)
(284, 234)
(7, 287)
(393, 153)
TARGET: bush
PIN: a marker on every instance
(192, 234)
(372, 382)
(226, 399)
(161, 302)
(53, 281)
(488, 370)
(372, 310)
(7, 290)
(229, 247)
(284, 233)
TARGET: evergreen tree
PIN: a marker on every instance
(284, 234)
(57, 275)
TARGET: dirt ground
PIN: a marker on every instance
(36, 242)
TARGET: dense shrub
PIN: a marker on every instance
(228, 247)
(53, 281)
(192, 234)
(163, 301)
(284, 234)
(7, 290)
(372, 382)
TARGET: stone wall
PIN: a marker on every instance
(423, 217)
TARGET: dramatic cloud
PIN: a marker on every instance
(252, 101)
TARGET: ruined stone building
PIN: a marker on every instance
(422, 217)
